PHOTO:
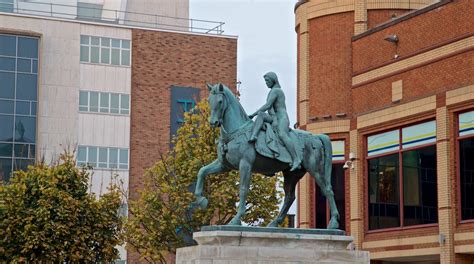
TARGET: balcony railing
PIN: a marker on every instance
(110, 16)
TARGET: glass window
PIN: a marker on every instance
(85, 53)
(94, 102)
(95, 41)
(116, 43)
(384, 204)
(83, 101)
(22, 108)
(6, 133)
(27, 47)
(104, 102)
(26, 87)
(85, 40)
(420, 198)
(6, 150)
(126, 57)
(23, 65)
(34, 67)
(114, 103)
(22, 164)
(124, 104)
(95, 54)
(32, 151)
(5, 169)
(123, 159)
(33, 109)
(115, 56)
(92, 156)
(7, 45)
(338, 150)
(466, 154)
(113, 158)
(81, 155)
(466, 124)
(25, 129)
(21, 150)
(420, 134)
(103, 158)
(125, 44)
(7, 89)
(105, 42)
(105, 55)
(383, 143)
(6, 106)
(7, 64)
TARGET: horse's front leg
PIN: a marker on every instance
(214, 167)
(245, 170)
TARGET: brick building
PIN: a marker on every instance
(392, 83)
(104, 78)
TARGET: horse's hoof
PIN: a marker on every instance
(333, 224)
(202, 202)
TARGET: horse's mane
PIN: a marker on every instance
(231, 97)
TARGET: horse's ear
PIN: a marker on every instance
(209, 86)
(221, 87)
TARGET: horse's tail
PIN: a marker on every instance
(327, 157)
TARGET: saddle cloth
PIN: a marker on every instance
(269, 144)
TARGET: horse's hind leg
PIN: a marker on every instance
(289, 186)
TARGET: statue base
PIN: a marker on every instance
(240, 244)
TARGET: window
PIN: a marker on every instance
(402, 177)
(108, 51)
(338, 185)
(18, 102)
(6, 6)
(466, 166)
(103, 157)
(112, 103)
(183, 100)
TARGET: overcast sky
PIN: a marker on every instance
(267, 42)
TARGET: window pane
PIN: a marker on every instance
(85, 53)
(22, 108)
(7, 64)
(32, 151)
(6, 150)
(102, 157)
(116, 43)
(7, 45)
(125, 44)
(105, 42)
(419, 134)
(466, 123)
(21, 150)
(83, 100)
(85, 39)
(95, 41)
(114, 103)
(5, 169)
(94, 102)
(26, 87)
(23, 65)
(6, 107)
(125, 57)
(82, 154)
(92, 156)
(25, 129)
(420, 198)
(384, 203)
(338, 150)
(33, 108)
(466, 154)
(7, 89)
(115, 56)
(6, 133)
(22, 164)
(35, 66)
(27, 47)
(105, 55)
(113, 158)
(383, 143)
(104, 102)
(95, 54)
(124, 104)
(124, 156)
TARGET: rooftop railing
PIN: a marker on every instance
(96, 14)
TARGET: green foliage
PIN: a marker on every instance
(47, 215)
(161, 208)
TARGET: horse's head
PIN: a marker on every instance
(218, 103)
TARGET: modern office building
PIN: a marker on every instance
(392, 83)
(105, 79)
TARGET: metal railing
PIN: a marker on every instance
(110, 16)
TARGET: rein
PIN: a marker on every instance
(226, 138)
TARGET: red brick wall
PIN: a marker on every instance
(437, 77)
(423, 31)
(330, 64)
(379, 16)
(160, 60)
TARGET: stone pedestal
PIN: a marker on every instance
(253, 245)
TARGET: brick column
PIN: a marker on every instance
(445, 189)
(357, 191)
(360, 16)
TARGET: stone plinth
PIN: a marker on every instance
(253, 245)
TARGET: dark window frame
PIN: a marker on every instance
(400, 152)
(458, 165)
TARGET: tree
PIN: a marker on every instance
(47, 215)
(160, 215)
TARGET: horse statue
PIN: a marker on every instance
(235, 152)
